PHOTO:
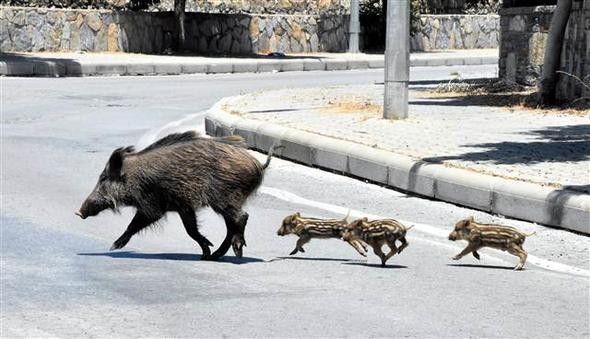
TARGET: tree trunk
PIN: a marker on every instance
(179, 6)
(552, 57)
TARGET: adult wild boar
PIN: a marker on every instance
(181, 173)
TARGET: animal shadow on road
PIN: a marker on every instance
(169, 256)
(373, 265)
(484, 266)
(311, 259)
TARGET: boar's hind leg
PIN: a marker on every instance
(235, 222)
(139, 222)
(189, 220)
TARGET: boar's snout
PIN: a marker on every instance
(91, 207)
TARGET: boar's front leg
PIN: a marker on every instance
(139, 222)
(189, 220)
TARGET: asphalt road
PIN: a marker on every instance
(58, 278)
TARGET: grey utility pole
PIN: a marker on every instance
(397, 59)
(354, 27)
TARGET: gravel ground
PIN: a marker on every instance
(549, 149)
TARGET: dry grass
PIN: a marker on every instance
(496, 93)
(352, 106)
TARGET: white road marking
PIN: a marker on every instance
(424, 228)
(181, 125)
(185, 124)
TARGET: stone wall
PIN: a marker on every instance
(522, 46)
(575, 57)
(314, 7)
(52, 30)
(524, 33)
(456, 32)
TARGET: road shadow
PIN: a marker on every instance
(169, 256)
(374, 265)
(495, 267)
(556, 144)
(310, 259)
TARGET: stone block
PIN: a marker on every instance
(464, 188)
(269, 66)
(19, 68)
(140, 69)
(194, 68)
(292, 65)
(331, 160)
(106, 69)
(167, 69)
(297, 152)
(417, 177)
(358, 64)
(48, 68)
(248, 135)
(245, 67)
(374, 171)
(336, 65)
(220, 68)
(313, 65)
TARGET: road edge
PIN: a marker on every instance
(562, 208)
(74, 68)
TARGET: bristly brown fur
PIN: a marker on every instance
(181, 172)
(500, 237)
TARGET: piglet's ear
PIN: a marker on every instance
(115, 164)
(470, 219)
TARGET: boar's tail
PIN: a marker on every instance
(347, 215)
(172, 139)
(275, 146)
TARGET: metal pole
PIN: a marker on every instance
(354, 27)
(397, 59)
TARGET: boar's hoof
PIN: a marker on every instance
(237, 243)
(119, 243)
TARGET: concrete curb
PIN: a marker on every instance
(72, 68)
(562, 208)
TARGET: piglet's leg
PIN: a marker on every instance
(394, 249)
(520, 253)
(379, 253)
(303, 239)
(358, 246)
(470, 248)
(475, 254)
(403, 245)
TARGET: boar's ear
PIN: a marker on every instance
(115, 165)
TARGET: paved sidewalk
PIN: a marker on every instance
(523, 164)
(93, 64)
